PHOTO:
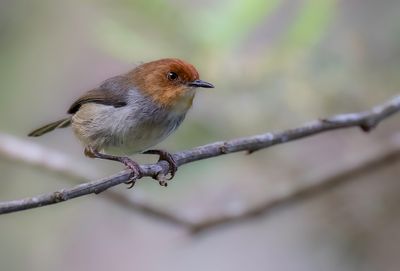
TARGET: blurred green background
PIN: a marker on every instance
(275, 65)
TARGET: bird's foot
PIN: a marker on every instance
(135, 168)
(129, 163)
(168, 157)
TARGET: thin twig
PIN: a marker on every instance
(28, 153)
(297, 194)
(366, 120)
(149, 210)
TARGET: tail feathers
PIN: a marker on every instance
(50, 127)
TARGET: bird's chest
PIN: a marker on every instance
(146, 129)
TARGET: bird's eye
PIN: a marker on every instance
(172, 76)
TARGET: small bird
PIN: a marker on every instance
(132, 112)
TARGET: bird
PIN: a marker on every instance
(132, 112)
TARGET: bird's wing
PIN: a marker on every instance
(111, 92)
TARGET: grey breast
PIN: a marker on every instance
(144, 124)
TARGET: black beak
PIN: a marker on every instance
(200, 84)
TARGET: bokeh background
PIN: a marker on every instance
(275, 64)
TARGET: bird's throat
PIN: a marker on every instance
(178, 101)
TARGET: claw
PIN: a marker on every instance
(166, 156)
(136, 171)
(129, 163)
(173, 166)
(130, 183)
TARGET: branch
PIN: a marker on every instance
(51, 161)
(149, 210)
(298, 194)
(366, 120)
(22, 151)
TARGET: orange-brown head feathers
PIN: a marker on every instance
(170, 82)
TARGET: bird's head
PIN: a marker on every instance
(169, 82)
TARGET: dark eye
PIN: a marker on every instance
(172, 76)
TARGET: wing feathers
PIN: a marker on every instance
(111, 92)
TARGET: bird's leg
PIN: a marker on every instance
(166, 156)
(129, 163)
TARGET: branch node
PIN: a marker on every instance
(162, 179)
(326, 121)
(224, 148)
(59, 196)
(250, 151)
(99, 190)
(368, 125)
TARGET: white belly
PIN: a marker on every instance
(123, 130)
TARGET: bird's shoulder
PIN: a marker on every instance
(111, 92)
